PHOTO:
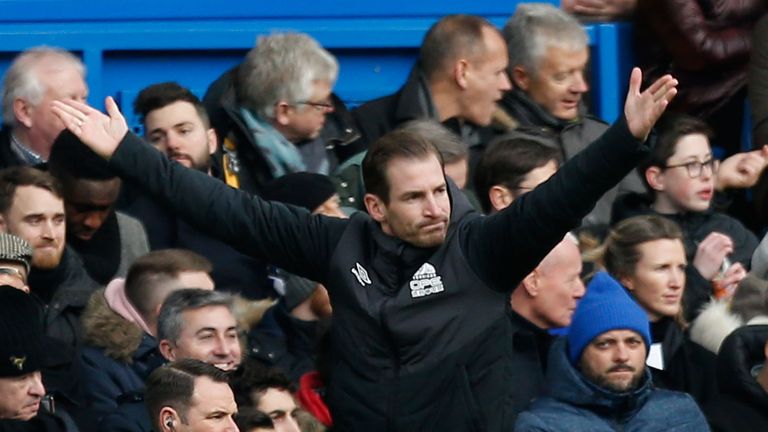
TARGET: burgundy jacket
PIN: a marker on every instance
(705, 44)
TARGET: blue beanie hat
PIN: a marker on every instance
(605, 307)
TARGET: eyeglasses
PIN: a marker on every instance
(696, 168)
(318, 106)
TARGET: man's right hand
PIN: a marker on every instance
(98, 131)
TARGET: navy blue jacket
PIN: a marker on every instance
(573, 403)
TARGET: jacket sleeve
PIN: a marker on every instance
(694, 40)
(504, 247)
(529, 422)
(287, 236)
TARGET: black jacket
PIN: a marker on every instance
(696, 227)
(688, 367)
(530, 346)
(416, 330)
(742, 405)
(7, 157)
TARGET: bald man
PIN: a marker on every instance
(545, 299)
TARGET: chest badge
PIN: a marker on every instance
(361, 274)
(426, 281)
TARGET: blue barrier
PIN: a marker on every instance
(129, 45)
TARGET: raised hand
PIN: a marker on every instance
(710, 254)
(742, 170)
(642, 110)
(98, 131)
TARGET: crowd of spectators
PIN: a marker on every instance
(473, 252)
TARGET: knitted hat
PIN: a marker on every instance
(605, 307)
(301, 189)
(21, 333)
(15, 249)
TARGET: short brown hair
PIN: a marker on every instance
(393, 145)
(173, 385)
(451, 38)
(14, 177)
(150, 273)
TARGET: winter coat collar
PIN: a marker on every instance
(121, 340)
(566, 384)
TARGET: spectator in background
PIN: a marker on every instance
(32, 207)
(742, 377)
(681, 177)
(706, 45)
(15, 261)
(646, 255)
(597, 379)
(22, 356)
(457, 80)
(275, 113)
(548, 56)
(37, 77)
(108, 241)
(511, 167)
(188, 396)
(177, 124)
(544, 300)
(268, 391)
(194, 324)
(120, 325)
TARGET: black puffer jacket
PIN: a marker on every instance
(742, 405)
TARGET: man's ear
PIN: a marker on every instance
(375, 207)
(168, 419)
(281, 113)
(460, 72)
(213, 141)
(166, 349)
(500, 197)
(655, 178)
(531, 283)
(3, 225)
(520, 78)
(23, 112)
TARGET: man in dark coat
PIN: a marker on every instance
(742, 376)
(420, 283)
(597, 379)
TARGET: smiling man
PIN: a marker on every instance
(597, 379)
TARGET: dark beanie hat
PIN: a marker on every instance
(605, 307)
(21, 333)
(301, 189)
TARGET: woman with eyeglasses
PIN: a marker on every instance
(682, 177)
(646, 255)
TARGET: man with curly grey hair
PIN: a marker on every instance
(37, 77)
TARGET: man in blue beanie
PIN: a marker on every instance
(597, 379)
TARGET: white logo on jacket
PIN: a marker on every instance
(361, 274)
(426, 281)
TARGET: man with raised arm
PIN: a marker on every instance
(419, 285)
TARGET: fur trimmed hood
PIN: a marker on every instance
(715, 322)
(103, 328)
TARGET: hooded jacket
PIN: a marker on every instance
(742, 405)
(117, 357)
(572, 402)
(416, 331)
(696, 226)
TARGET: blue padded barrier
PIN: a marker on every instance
(127, 45)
